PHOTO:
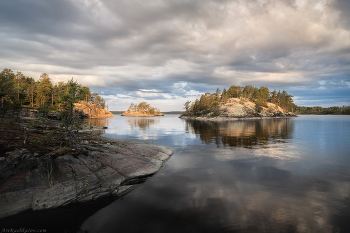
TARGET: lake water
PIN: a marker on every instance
(270, 175)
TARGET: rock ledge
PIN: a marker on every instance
(109, 167)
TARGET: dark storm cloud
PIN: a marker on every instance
(144, 49)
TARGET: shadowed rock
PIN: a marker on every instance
(111, 167)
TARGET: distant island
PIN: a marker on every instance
(240, 102)
(142, 110)
(318, 110)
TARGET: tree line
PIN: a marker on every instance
(318, 110)
(209, 102)
(18, 90)
(143, 107)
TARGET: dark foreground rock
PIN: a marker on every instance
(107, 167)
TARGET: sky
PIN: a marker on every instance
(166, 52)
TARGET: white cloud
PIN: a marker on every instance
(167, 96)
(152, 90)
(193, 93)
(142, 94)
(122, 96)
(180, 84)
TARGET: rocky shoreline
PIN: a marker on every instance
(80, 110)
(104, 167)
(140, 114)
(218, 119)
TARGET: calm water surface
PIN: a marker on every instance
(271, 175)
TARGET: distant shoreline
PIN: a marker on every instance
(142, 115)
(322, 114)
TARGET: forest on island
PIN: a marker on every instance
(20, 91)
(210, 102)
(143, 108)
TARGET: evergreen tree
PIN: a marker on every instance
(30, 86)
(248, 91)
(7, 88)
(217, 94)
(43, 89)
(20, 85)
(224, 96)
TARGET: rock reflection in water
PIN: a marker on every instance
(100, 122)
(103, 122)
(142, 123)
(247, 134)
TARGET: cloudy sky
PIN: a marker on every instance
(168, 51)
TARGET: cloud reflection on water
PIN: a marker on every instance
(277, 181)
(256, 197)
(142, 124)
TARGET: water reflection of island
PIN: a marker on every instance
(142, 123)
(103, 122)
(248, 134)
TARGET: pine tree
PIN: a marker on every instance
(43, 89)
(7, 87)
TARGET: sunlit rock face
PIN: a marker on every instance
(91, 110)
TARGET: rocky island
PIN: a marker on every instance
(142, 110)
(240, 103)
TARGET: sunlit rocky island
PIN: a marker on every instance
(240, 103)
(142, 110)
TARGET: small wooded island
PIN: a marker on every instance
(142, 110)
(240, 103)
